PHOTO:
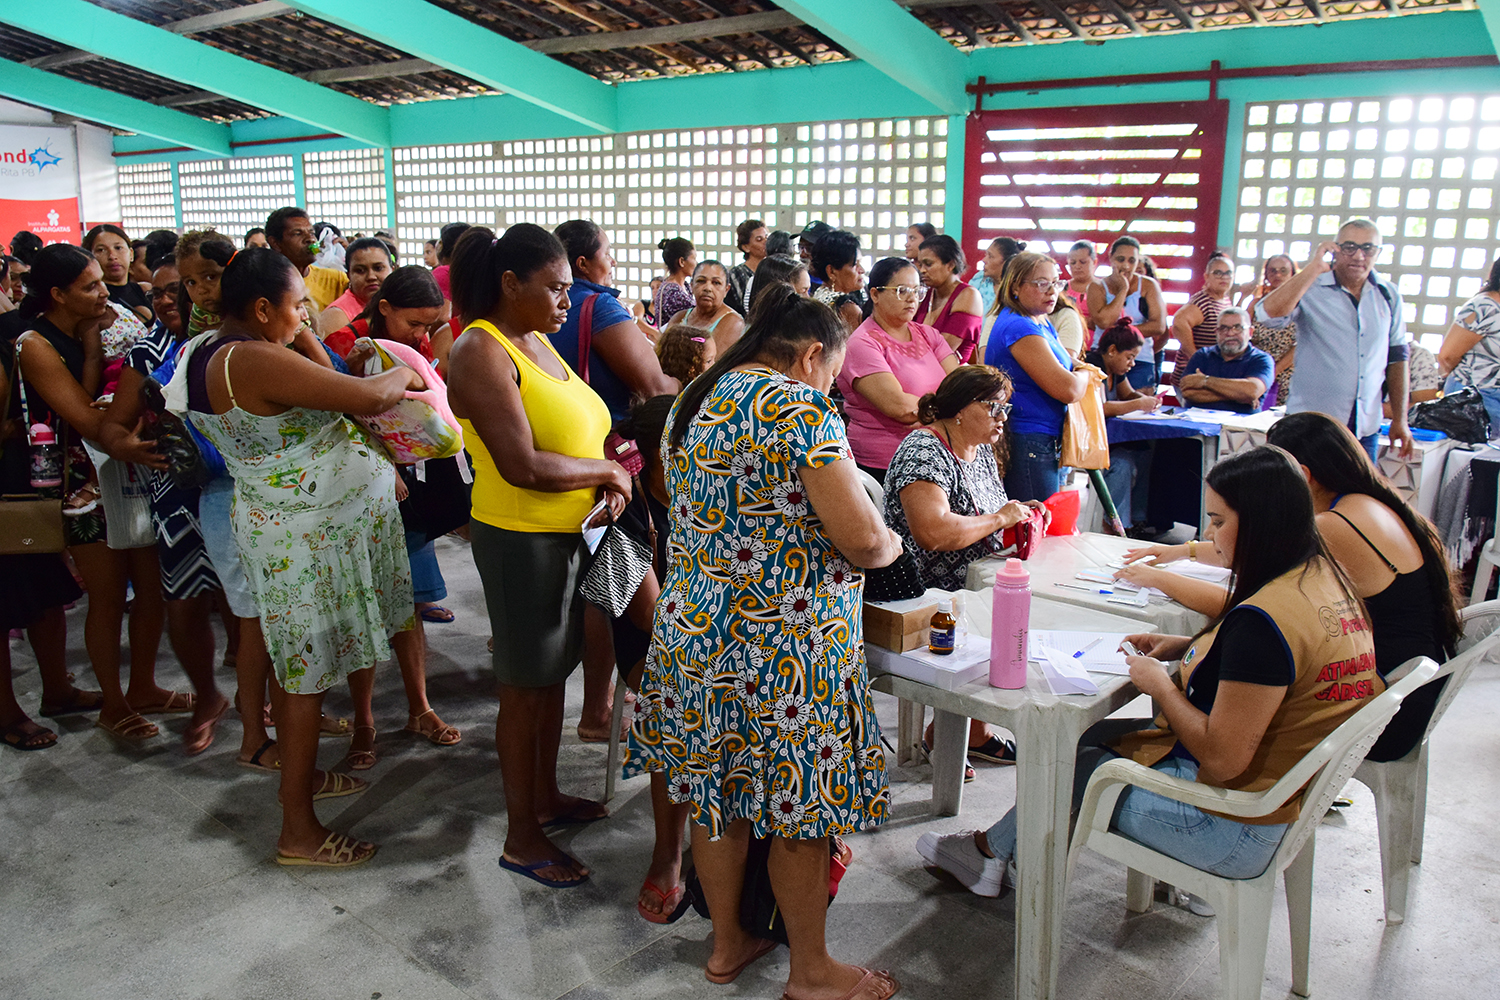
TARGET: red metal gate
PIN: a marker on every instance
(1053, 176)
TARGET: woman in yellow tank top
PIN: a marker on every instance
(536, 433)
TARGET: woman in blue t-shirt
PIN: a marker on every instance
(1024, 345)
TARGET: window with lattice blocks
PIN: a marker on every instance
(146, 201)
(347, 188)
(874, 178)
(234, 195)
(1423, 168)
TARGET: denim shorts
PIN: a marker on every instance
(218, 538)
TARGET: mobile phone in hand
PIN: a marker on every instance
(1129, 648)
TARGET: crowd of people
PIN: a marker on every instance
(734, 430)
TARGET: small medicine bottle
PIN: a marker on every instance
(944, 628)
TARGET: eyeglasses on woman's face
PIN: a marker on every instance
(902, 291)
(997, 409)
(1045, 285)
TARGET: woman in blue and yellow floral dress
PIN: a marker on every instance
(755, 701)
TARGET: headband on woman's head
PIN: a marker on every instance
(231, 259)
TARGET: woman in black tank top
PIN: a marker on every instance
(1415, 613)
(61, 365)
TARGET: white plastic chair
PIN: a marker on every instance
(1400, 786)
(1243, 905)
(872, 486)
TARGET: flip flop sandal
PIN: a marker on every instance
(340, 849)
(254, 763)
(75, 707)
(198, 737)
(530, 871)
(872, 986)
(361, 760)
(437, 614)
(133, 729)
(341, 728)
(444, 735)
(724, 978)
(18, 740)
(336, 786)
(572, 817)
(665, 916)
(968, 770)
(177, 703)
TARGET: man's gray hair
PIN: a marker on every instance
(1360, 222)
(1235, 311)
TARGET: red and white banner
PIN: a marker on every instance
(39, 183)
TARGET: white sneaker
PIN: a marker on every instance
(958, 855)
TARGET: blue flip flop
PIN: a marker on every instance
(530, 871)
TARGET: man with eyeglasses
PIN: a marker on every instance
(1352, 343)
(1230, 374)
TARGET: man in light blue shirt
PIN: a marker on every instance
(1351, 338)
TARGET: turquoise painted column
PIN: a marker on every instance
(1229, 197)
(953, 196)
(176, 197)
(299, 181)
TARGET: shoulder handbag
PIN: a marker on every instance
(29, 522)
(760, 914)
(1085, 442)
(617, 567)
(617, 447)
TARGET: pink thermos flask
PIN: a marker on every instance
(1009, 626)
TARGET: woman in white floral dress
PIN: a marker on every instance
(315, 519)
(755, 699)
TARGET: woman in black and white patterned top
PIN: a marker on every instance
(1471, 349)
(943, 493)
(944, 496)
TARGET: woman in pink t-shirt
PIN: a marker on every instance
(890, 363)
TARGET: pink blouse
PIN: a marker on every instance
(918, 367)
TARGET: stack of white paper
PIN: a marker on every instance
(1067, 673)
(969, 661)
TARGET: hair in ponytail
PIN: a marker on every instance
(481, 259)
(781, 325)
(1334, 458)
(55, 266)
(674, 251)
(409, 287)
(250, 274)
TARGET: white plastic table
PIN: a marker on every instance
(1047, 728)
(1058, 558)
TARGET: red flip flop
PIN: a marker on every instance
(671, 911)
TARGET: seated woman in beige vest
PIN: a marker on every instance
(1250, 698)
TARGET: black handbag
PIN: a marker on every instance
(174, 441)
(900, 581)
(438, 501)
(760, 915)
(1460, 415)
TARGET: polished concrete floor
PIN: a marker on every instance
(146, 874)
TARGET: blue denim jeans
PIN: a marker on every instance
(427, 584)
(1371, 444)
(1033, 472)
(1210, 843)
(1129, 480)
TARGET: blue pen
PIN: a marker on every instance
(1085, 649)
(1086, 590)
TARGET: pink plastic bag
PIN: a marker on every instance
(421, 426)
